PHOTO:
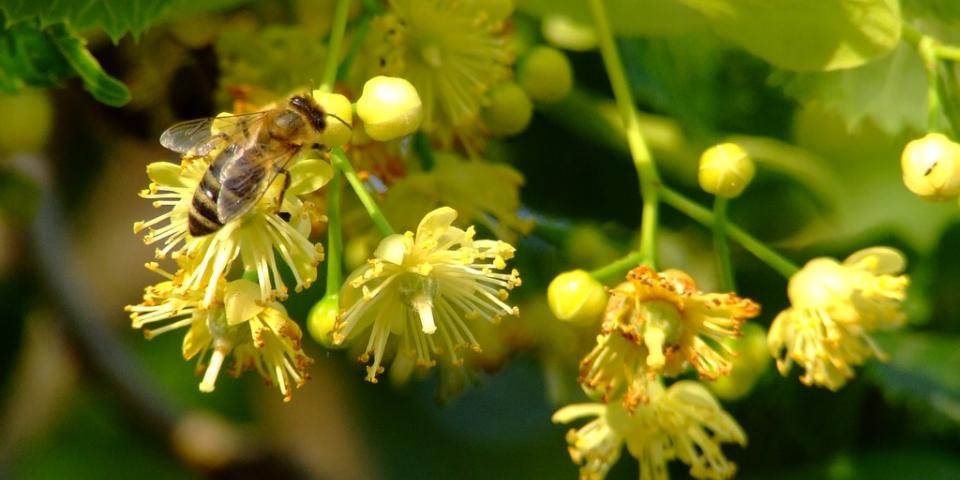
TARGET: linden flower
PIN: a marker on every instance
(425, 288)
(257, 237)
(834, 308)
(483, 193)
(682, 422)
(452, 51)
(259, 335)
(660, 324)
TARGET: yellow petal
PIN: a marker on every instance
(879, 260)
(435, 224)
(240, 298)
(308, 175)
(165, 173)
(392, 249)
(196, 340)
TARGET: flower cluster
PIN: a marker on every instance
(834, 308)
(681, 422)
(656, 325)
(426, 288)
(453, 52)
(660, 324)
(224, 312)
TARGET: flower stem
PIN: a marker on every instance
(930, 51)
(379, 220)
(421, 144)
(340, 12)
(334, 234)
(360, 30)
(720, 245)
(778, 262)
(616, 268)
(642, 159)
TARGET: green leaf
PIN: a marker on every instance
(627, 17)
(115, 17)
(891, 92)
(922, 371)
(102, 86)
(44, 58)
(807, 35)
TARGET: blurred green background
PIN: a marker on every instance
(828, 183)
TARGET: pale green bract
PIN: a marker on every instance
(891, 92)
(627, 17)
(807, 35)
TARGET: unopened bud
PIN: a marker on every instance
(725, 170)
(546, 74)
(751, 361)
(339, 119)
(509, 111)
(322, 319)
(576, 297)
(931, 167)
(390, 108)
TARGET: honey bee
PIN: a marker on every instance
(253, 149)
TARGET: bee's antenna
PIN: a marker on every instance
(341, 120)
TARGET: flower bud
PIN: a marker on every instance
(569, 34)
(931, 167)
(577, 297)
(725, 170)
(339, 118)
(322, 318)
(546, 74)
(27, 120)
(390, 108)
(751, 362)
(509, 111)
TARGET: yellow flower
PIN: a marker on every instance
(453, 52)
(260, 335)
(426, 288)
(659, 323)
(483, 193)
(682, 422)
(258, 237)
(834, 308)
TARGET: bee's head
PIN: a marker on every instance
(313, 112)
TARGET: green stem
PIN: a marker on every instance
(379, 220)
(616, 268)
(356, 43)
(642, 160)
(421, 144)
(930, 51)
(334, 234)
(340, 12)
(778, 262)
(721, 246)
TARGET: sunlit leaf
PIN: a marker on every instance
(807, 35)
(44, 58)
(627, 17)
(116, 17)
(891, 91)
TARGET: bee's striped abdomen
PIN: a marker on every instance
(203, 217)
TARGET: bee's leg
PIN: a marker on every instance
(286, 184)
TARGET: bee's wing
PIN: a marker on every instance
(245, 179)
(196, 137)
